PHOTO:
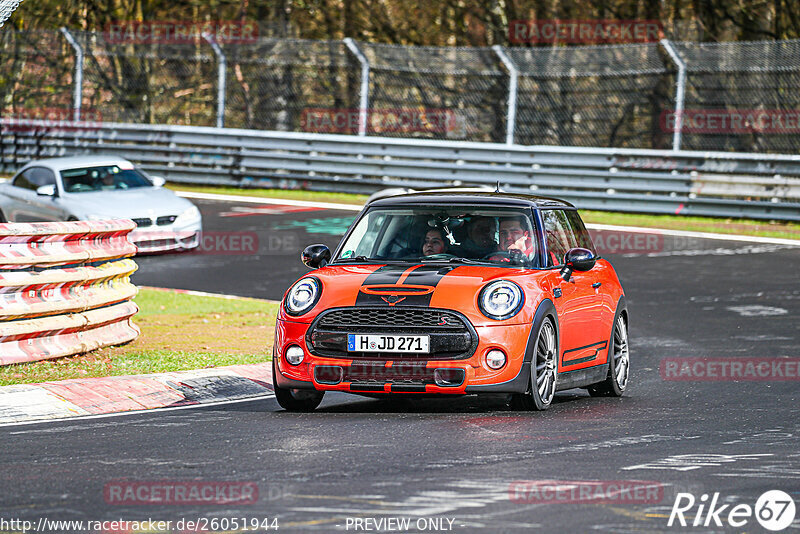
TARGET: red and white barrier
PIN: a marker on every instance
(65, 288)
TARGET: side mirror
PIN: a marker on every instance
(577, 259)
(46, 190)
(316, 256)
(158, 181)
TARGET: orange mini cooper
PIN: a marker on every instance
(454, 293)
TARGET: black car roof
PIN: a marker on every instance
(487, 197)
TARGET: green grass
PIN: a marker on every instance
(673, 222)
(788, 230)
(179, 332)
(290, 194)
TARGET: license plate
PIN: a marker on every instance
(381, 343)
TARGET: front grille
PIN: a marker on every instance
(166, 219)
(403, 376)
(451, 334)
(141, 223)
(347, 319)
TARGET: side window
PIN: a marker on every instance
(559, 235)
(41, 176)
(23, 180)
(34, 178)
(579, 230)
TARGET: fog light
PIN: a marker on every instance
(294, 355)
(495, 359)
(448, 377)
(328, 374)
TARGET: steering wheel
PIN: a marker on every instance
(499, 254)
(515, 258)
(440, 256)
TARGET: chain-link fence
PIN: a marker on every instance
(278, 84)
(7, 7)
(734, 96)
(759, 80)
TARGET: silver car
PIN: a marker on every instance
(100, 187)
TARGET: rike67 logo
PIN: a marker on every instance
(774, 510)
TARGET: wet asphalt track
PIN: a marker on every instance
(457, 459)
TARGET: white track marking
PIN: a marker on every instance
(353, 207)
(204, 294)
(757, 310)
(702, 235)
(266, 200)
(139, 412)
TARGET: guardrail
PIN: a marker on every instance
(65, 288)
(723, 184)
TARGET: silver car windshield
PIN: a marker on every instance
(102, 178)
(467, 234)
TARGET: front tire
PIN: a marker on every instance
(2, 217)
(544, 371)
(618, 363)
(296, 400)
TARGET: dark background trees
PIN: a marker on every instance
(425, 22)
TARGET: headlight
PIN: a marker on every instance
(189, 215)
(302, 296)
(500, 300)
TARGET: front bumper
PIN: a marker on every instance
(166, 238)
(401, 375)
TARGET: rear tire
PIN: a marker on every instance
(296, 400)
(618, 363)
(544, 371)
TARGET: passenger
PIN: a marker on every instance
(434, 242)
(480, 238)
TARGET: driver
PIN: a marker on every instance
(515, 239)
(515, 236)
(107, 181)
(434, 242)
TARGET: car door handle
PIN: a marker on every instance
(597, 284)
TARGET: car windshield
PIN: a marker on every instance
(468, 234)
(102, 178)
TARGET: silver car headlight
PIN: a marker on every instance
(303, 295)
(500, 300)
(189, 215)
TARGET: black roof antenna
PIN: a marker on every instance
(497, 189)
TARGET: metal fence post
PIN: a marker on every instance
(77, 93)
(363, 101)
(680, 92)
(222, 68)
(513, 75)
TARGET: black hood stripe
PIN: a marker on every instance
(402, 276)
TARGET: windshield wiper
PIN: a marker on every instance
(353, 258)
(450, 260)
